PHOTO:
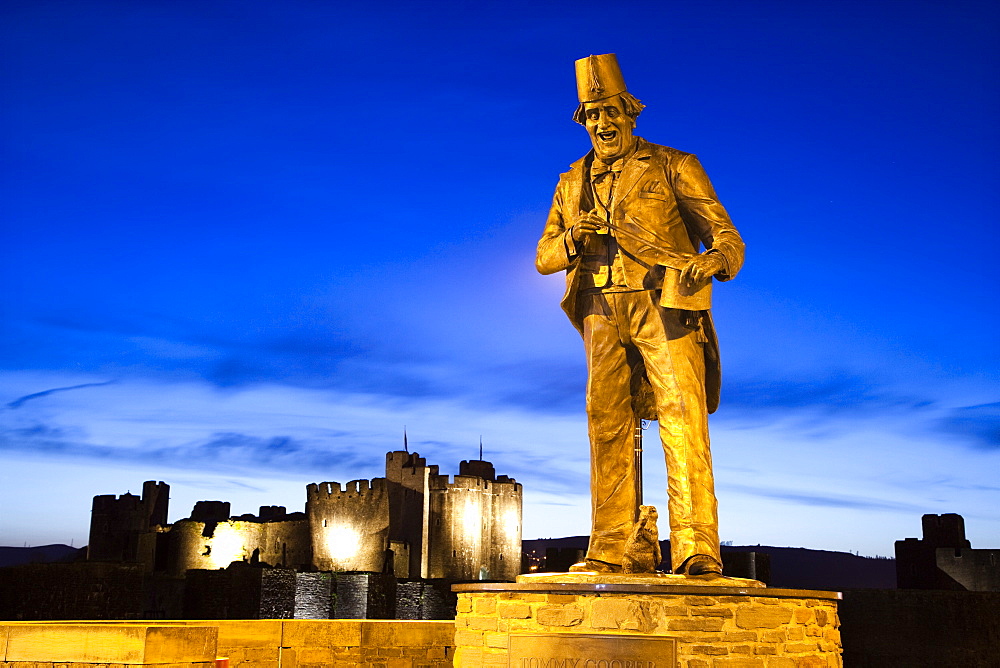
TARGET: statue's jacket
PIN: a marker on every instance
(665, 199)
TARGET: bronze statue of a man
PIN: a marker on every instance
(627, 223)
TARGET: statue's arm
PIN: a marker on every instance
(556, 249)
(705, 215)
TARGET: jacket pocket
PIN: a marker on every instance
(653, 195)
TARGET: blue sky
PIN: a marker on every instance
(244, 243)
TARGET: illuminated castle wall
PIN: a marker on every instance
(349, 528)
(211, 539)
(474, 525)
(414, 522)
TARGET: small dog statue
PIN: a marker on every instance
(642, 549)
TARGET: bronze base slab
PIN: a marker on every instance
(591, 577)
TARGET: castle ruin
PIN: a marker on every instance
(414, 523)
(944, 559)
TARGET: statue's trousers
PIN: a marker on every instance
(672, 350)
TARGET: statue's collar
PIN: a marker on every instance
(642, 152)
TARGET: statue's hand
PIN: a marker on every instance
(701, 268)
(586, 225)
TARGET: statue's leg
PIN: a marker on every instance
(609, 422)
(675, 364)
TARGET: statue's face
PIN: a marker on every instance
(610, 129)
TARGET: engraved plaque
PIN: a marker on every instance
(585, 650)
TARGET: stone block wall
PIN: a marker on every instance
(364, 596)
(85, 664)
(265, 643)
(313, 595)
(425, 599)
(713, 630)
(248, 643)
(86, 590)
(307, 643)
(40, 645)
(240, 592)
(369, 643)
(885, 628)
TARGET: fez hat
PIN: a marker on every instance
(598, 77)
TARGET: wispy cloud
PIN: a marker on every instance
(265, 428)
(539, 385)
(852, 502)
(291, 436)
(831, 391)
(980, 425)
(17, 403)
(217, 484)
(546, 383)
(228, 451)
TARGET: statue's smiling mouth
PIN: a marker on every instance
(607, 136)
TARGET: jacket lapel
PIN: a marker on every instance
(632, 171)
(577, 193)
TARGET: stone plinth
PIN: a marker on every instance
(253, 643)
(126, 644)
(711, 626)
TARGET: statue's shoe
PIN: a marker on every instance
(594, 566)
(702, 564)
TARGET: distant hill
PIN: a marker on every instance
(541, 544)
(43, 554)
(801, 568)
(791, 567)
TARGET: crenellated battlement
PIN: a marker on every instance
(400, 459)
(503, 484)
(408, 468)
(470, 482)
(479, 468)
(506, 487)
(355, 489)
(322, 488)
(110, 503)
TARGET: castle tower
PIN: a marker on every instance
(475, 527)
(409, 479)
(947, 530)
(506, 525)
(349, 527)
(944, 558)
(123, 528)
